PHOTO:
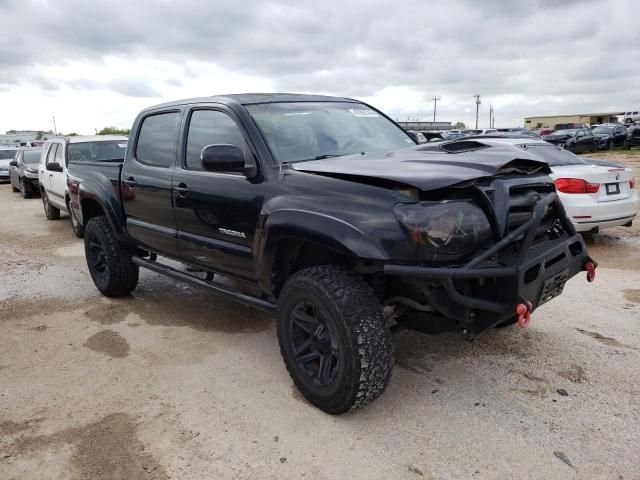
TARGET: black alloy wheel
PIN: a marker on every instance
(98, 257)
(313, 343)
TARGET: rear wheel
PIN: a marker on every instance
(333, 338)
(50, 211)
(109, 261)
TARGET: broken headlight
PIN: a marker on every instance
(448, 227)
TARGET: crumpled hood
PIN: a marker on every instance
(427, 168)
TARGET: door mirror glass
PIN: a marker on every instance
(13, 163)
(54, 167)
(222, 158)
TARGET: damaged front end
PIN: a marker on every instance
(490, 254)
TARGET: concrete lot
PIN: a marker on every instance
(173, 382)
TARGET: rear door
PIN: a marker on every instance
(146, 181)
(216, 212)
(47, 175)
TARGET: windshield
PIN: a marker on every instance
(31, 156)
(299, 131)
(602, 129)
(100, 151)
(554, 156)
(7, 154)
(565, 132)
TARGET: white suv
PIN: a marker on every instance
(56, 155)
(630, 117)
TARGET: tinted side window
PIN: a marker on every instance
(59, 155)
(208, 127)
(157, 140)
(52, 153)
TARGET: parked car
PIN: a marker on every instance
(7, 154)
(633, 137)
(56, 155)
(477, 131)
(417, 136)
(24, 171)
(596, 194)
(610, 136)
(512, 129)
(630, 117)
(442, 135)
(341, 232)
(571, 126)
(541, 132)
(577, 140)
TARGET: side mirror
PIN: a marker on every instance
(54, 167)
(222, 158)
(13, 163)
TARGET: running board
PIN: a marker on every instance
(218, 288)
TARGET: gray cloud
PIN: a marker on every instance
(133, 88)
(557, 56)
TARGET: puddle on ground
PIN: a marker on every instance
(106, 449)
(108, 342)
(632, 295)
(612, 342)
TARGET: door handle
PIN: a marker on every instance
(130, 182)
(181, 190)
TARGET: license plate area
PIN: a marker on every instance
(553, 286)
(612, 188)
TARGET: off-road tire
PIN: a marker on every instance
(352, 311)
(50, 211)
(120, 276)
(78, 228)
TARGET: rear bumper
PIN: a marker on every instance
(586, 213)
(486, 292)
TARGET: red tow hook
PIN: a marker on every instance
(524, 314)
(590, 267)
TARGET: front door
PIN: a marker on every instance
(216, 212)
(146, 182)
(57, 192)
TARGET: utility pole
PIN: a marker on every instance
(478, 102)
(55, 129)
(435, 102)
(490, 116)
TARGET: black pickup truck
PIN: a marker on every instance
(335, 219)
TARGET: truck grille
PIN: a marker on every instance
(522, 201)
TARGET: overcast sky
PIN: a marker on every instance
(96, 63)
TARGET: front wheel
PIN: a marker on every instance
(25, 189)
(333, 338)
(109, 261)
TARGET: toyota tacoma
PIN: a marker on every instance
(325, 212)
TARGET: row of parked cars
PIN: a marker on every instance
(42, 170)
(325, 212)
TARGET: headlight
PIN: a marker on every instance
(450, 227)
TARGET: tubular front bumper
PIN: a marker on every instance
(486, 292)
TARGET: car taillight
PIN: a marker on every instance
(576, 185)
(632, 183)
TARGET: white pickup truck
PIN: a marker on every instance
(56, 155)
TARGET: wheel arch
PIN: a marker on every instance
(293, 240)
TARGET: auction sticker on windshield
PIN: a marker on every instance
(362, 112)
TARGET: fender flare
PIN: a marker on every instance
(108, 200)
(323, 229)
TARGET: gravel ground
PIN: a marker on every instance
(173, 382)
